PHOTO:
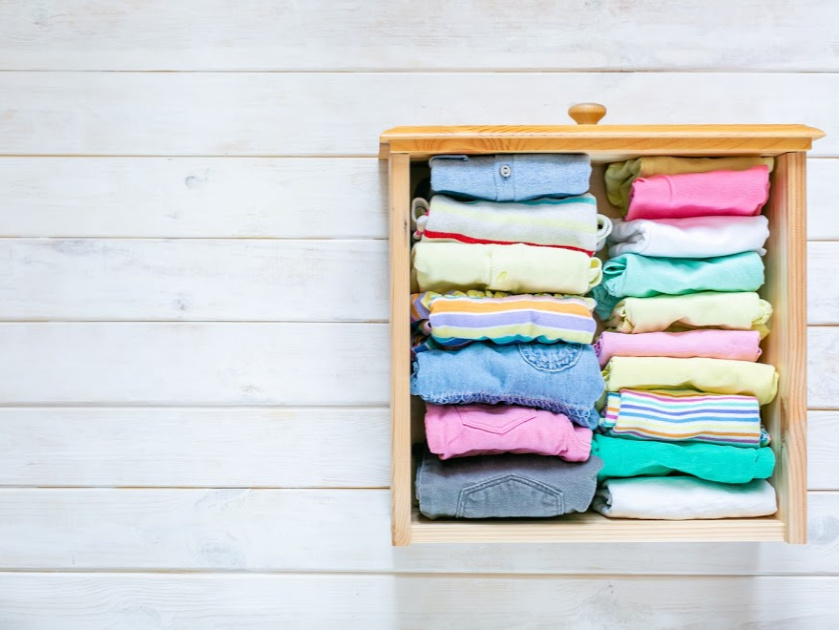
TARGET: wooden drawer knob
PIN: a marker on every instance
(587, 113)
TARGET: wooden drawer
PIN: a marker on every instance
(407, 150)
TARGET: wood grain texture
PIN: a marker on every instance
(194, 197)
(195, 364)
(400, 244)
(287, 114)
(229, 364)
(194, 280)
(318, 35)
(787, 347)
(238, 280)
(239, 447)
(338, 530)
(240, 197)
(601, 142)
(384, 602)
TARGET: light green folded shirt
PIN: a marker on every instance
(675, 313)
(513, 268)
(619, 177)
(634, 275)
(715, 376)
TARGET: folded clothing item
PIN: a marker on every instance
(683, 498)
(619, 177)
(696, 237)
(512, 176)
(714, 376)
(504, 486)
(634, 275)
(457, 318)
(572, 223)
(731, 311)
(737, 345)
(562, 377)
(462, 430)
(726, 464)
(716, 193)
(513, 268)
(680, 416)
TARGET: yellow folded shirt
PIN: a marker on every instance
(513, 268)
(619, 176)
(675, 313)
(715, 376)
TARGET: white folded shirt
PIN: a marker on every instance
(697, 237)
(681, 498)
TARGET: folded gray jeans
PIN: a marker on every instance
(505, 486)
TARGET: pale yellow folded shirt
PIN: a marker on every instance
(619, 177)
(708, 309)
(513, 268)
(715, 376)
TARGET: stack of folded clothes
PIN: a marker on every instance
(502, 355)
(681, 434)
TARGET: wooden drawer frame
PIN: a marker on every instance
(785, 347)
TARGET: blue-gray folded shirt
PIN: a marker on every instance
(563, 378)
(505, 486)
(511, 176)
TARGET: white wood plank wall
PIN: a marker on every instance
(193, 297)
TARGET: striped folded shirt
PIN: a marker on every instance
(570, 223)
(684, 415)
(454, 319)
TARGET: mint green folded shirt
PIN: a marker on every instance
(634, 275)
(725, 464)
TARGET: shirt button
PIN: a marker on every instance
(504, 170)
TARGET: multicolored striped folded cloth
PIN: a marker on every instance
(455, 319)
(571, 223)
(684, 416)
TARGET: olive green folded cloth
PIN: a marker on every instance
(619, 176)
(675, 313)
(714, 376)
(725, 464)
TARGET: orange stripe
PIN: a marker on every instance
(449, 306)
(682, 435)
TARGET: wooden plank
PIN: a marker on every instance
(589, 528)
(399, 177)
(337, 531)
(194, 280)
(822, 283)
(237, 447)
(194, 197)
(600, 141)
(786, 415)
(383, 602)
(823, 446)
(253, 364)
(240, 197)
(238, 280)
(228, 447)
(318, 35)
(237, 363)
(822, 368)
(284, 114)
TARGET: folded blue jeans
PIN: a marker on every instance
(512, 176)
(505, 486)
(563, 377)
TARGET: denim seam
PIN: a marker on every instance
(465, 493)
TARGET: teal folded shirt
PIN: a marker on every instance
(725, 464)
(634, 275)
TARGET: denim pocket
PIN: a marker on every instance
(490, 422)
(509, 496)
(551, 358)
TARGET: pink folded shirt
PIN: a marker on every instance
(462, 430)
(716, 193)
(737, 345)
